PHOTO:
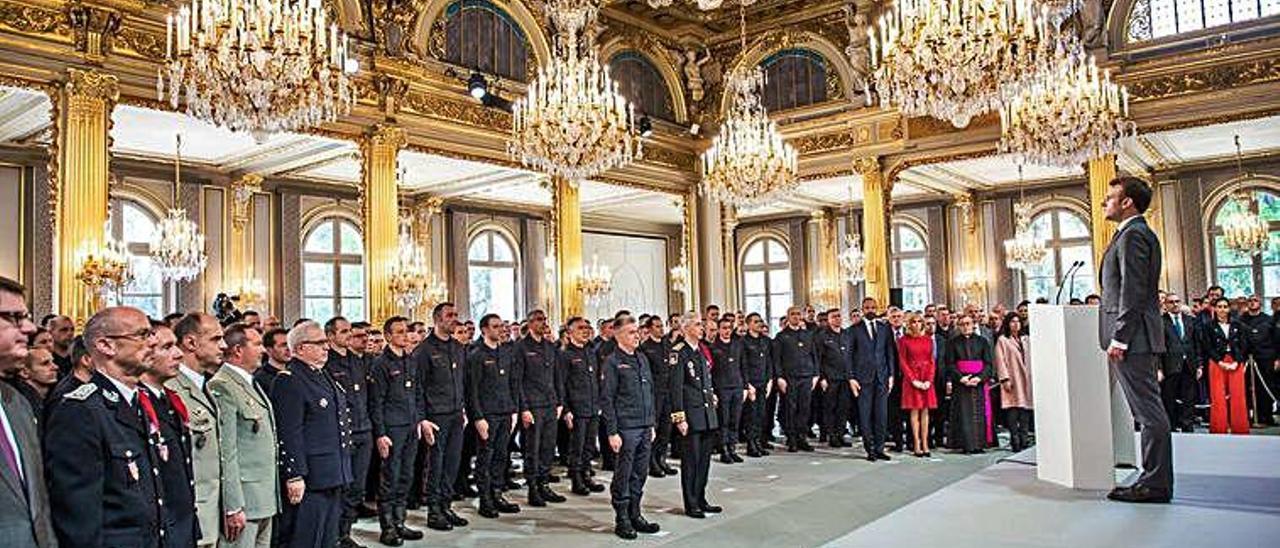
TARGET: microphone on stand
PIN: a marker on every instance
(1071, 293)
(1066, 279)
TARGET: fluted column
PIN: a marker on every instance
(240, 248)
(380, 148)
(875, 227)
(567, 210)
(85, 103)
(1101, 172)
(973, 268)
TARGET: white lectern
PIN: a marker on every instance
(1083, 424)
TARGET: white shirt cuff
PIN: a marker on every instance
(1118, 344)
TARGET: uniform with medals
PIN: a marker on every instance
(394, 411)
(351, 372)
(167, 427)
(104, 483)
(693, 401)
(251, 480)
(582, 376)
(491, 397)
(441, 368)
(311, 415)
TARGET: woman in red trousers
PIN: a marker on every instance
(1224, 344)
(915, 357)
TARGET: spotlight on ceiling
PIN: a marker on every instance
(645, 126)
(477, 86)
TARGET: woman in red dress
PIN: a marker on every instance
(915, 357)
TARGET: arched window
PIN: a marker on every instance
(794, 78)
(491, 268)
(1066, 236)
(1150, 19)
(333, 271)
(486, 38)
(1241, 274)
(766, 279)
(910, 266)
(135, 226)
(642, 84)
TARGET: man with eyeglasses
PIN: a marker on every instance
(104, 482)
(24, 517)
(1180, 365)
(200, 338)
(313, 429)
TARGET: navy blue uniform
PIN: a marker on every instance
(313, 428)
(175, 468)
(835, 364)
(726, 374)
(441, 369)
(541, 389)
(395, 407)
(656, 352)
(351, 372)
(491, 396)
(693, 401)
(757, 372)
(105, 487)
(628, 412)
(795, 359)
(581, 374)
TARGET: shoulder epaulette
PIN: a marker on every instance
(81, 393)
(678, 346)
(284, 372)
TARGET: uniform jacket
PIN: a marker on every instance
(835, 354)
(24, 512)
(395, 392)
(176, 470)
(656, 352)
(1182, 350)
(206, 457)
(441, 367)
(1260, 334)
(795, 354)
(757, 359)
(627, 393)
(874, 359)
(1130, 312)
(726, 370)
(692, 391)
(1217, 345)
(490, 388)
(313, 427)
(581, 374)
(352, 373)
(540, 383)
(103, 486)
(251, 479)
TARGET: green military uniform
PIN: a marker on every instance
(206, 458)
(248, 453)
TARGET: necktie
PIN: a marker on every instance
(1177, 320)
(11, 456)
(871, 329)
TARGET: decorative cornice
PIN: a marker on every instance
(920, 127)
(464, 112)
(242, 191)
(1213, 78)
(867, 165)
(94, 29)
(34, 19)
(92, 84)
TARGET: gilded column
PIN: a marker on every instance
(568, 245)
(971, 273)
(380, 148)
(86, 101)
(875, 227)
(1101, 172)
(240, 267)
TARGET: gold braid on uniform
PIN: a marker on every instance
(677, 417)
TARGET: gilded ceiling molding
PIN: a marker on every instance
(896, 167)
(31, 19)
(526, 13)
(1211, 78)
(816, 39)
(920, 127)
(619, 38)
(94, 28)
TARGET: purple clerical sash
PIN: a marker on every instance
(969, 367)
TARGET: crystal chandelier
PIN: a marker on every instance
(574, 123)
(955, 59)
(1066, 115)
(1024, 250)
(704, 5)
(748, 163)
(1059, 10)
(407, 282)
(1243, 230)
(851, 260)
(596, 281)
(257, 65)
(680, 278)
(178, 248)
(679, 274)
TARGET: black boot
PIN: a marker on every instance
(551, 496)
(733, 453)
(390, 537)
(803, 445)
(505, 506)
(642, 525)
(724, 455)
(579, 484)
(487, 508)
(405, 532)
(667, 468)
(656, 471)
(436, 519)
(792, 446)
(535, 494)
(622, 524)
(753, 450)
(454, 519)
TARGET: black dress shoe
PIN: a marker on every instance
(551, 496)
(488, 510)
(535, 497)
(882, 456)
(435, 520)
(505, 506)
(656, 472)
(454, 519)
(1140, 494)
(408, 534)
(391, 537)
(624, 530)
(695, 514)
(645, 526)
(872, 458)
(711, 508)
(669, 470)
(734, 455)
(803, 444)
(725, 458)
(593, 486)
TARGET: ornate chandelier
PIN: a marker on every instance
(574, 123)
(178, 249)
(1059, 10)
(1243, 230)
(106, 271)
(596, 281)
(955, 59)
(851, 260)
(679, 274)
(1024, 250)
(704, 5)
(970, 283)
(257, 65)
(1067, 114)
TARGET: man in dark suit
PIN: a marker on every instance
(24, 502)
(1180, 364)
(875, 353)
(1131, 331)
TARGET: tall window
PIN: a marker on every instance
(1151, 19)
(333, 271)
(1066, 235)
(491, 268)
(135, 227)
(911, 266)
(1241, 274)
(639, 81)
(766, 279)
(484, 37)
(794, 78)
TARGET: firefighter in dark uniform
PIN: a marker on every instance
(835, 365)
(395, 397)
(582, 403)
(104, 481)
(655, 349)
(315, 450)
(726, 375)
(491, 406)
(693, 412)
(795, 360)
(442, 362)
(351, 372)
(757, 372)
(541, 389)
(628, 414)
